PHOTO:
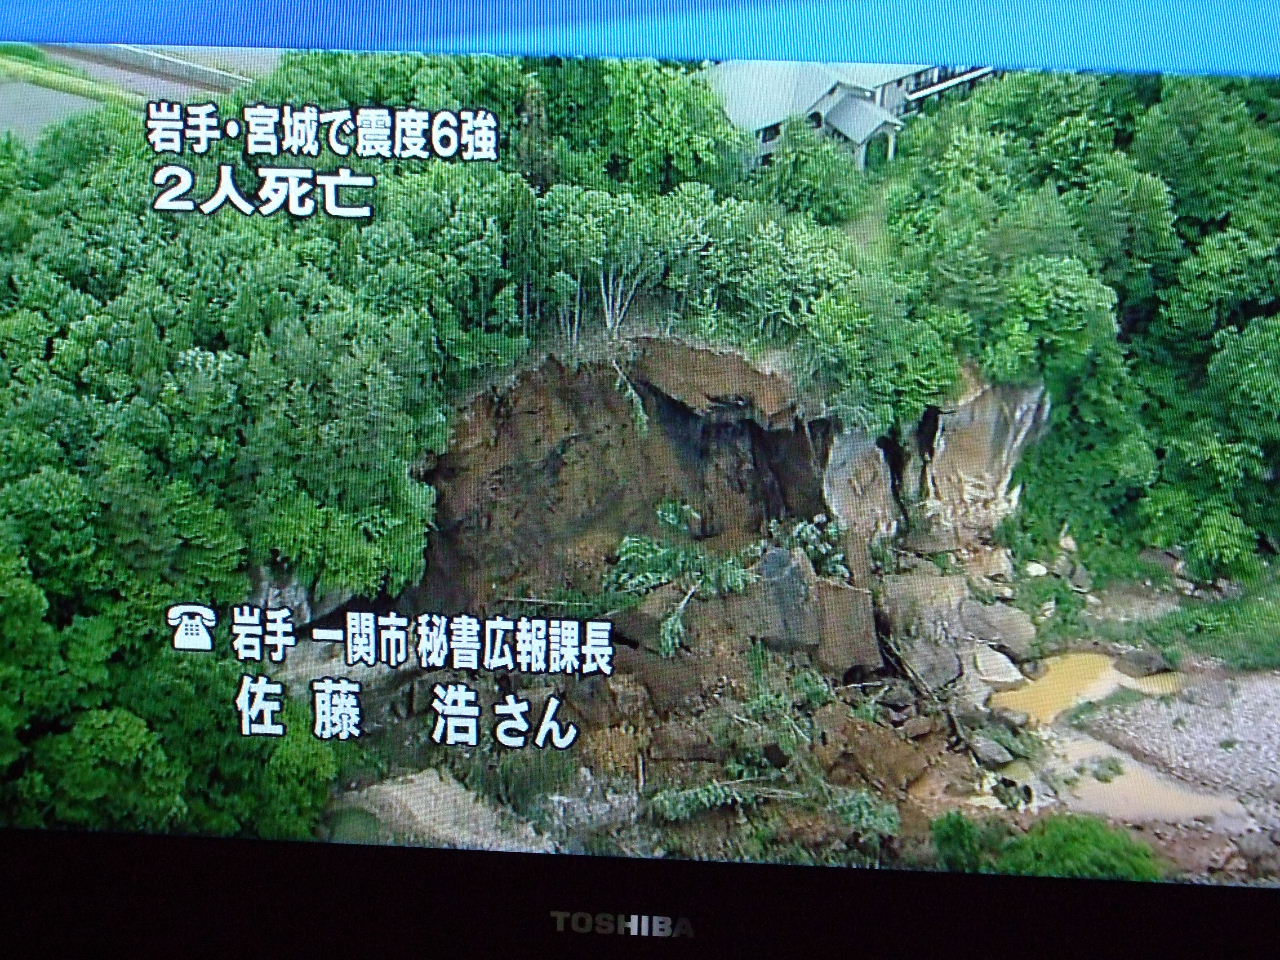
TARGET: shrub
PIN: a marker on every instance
(873, 820)
(677, 804)
(1075, 846)
(956, 842)
(819, 538)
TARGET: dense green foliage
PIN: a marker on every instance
(675, 804)
(958, 843)
(1115, 237)
(809, 173)
(645, 563)
(189, 403)
(1063, 845)
(1081, 847)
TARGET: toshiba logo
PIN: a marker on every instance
(632, 924)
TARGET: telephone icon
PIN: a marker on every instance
(194, 623)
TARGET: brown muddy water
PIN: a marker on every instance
(1075, 678)
(1139, 793)
(1090, 776)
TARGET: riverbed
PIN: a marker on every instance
(1085, 774)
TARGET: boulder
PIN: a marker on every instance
(917, 566)
(791, 608)
(1004, 627)
(430, 807)
(920, 612)
(971, 689)
(1262, 853)
(918, 727)
(932, 661)
(1033, 669)
(897, 695)
(932, 538)
(1142, 663)
(1081, 580)
(989, 753)
(778, 610)
(992, 563)
(997, 590)
(672, 682)
(1011, 720)
(1034, 569)
(1171, 560)
(996, 670)
(588, 808)
(1227, 589)
(971, 715)
(967, 477)
(848, 636)
(640, 625)
(914, 601)
(776, 756)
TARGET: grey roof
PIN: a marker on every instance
(868, 76)
(859, 119)
(759, 93)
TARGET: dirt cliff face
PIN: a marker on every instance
(544, 478)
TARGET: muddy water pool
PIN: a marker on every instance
(1075, 678)
(1085, 774)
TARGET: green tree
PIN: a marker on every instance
(649, 125)
(108, 770)
(600, 248)
(810, 173)
(1126, 218)
(1203, 143)
(883, 372)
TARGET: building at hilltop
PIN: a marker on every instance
(853, 102)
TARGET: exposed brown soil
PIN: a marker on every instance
(545, 476)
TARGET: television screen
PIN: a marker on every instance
(776, 459)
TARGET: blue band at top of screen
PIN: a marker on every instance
(1206, 36)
